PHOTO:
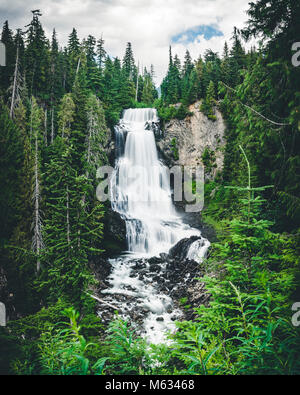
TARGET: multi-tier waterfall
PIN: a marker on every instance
(141, 194)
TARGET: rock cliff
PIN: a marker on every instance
(183, 142)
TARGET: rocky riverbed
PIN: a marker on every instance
(152, 293)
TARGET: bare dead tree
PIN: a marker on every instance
(16, 86)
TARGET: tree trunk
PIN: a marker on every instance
(14, 91)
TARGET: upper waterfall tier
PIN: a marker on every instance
(140, 115)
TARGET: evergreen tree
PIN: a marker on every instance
(56, 74)
(188, 65)
(101, 53)
(225, 65)
(171, 85)
(208, 103)
(129, 63)
(93, 72)
(66, 115)
(149, 91)
(37, 59)
(6, 72)
(73, 56)
(96, 136)
(237, 59)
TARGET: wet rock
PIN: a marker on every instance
(101, 269)
(180, 250)
(155, 268)
(160, 319)
(114, 239)
(164, 256)
(156, 129)
(158, 279)
(154, 260)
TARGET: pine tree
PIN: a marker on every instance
(199, 66)
(17, 80)
(37, 59)
(56, 72)
(73, 57)
(101, 53)
(93, 72)
(128, 65)
(225, 65)
(208, 103)
(171, 85)
(96, 136)
(188, 65)
(6, 72)
(66, 115)
(237, 60)
(149, 91)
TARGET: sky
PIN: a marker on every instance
(150, 25)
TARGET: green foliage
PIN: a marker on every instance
(207, 106)
(45, 343)
(251, 288)
(166, 113)
(209, 160)
(64, 351)
(127, 353)
(174, 148)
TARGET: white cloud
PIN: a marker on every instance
(148, 24)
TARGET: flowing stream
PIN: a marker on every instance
(142, 196)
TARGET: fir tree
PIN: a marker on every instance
(73, 57)
(128, 63)
(208, 103)
(6, 72)
(37, 58)
(101, 53)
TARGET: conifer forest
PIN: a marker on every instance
(136, 285)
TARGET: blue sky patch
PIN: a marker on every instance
(190, 35)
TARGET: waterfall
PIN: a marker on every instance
(141, 194)
(141, 188)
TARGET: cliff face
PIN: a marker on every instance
(184, 141)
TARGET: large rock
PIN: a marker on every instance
(181, 249)
(114, 240)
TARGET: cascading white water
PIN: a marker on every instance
(141, 189)
(141, 194)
